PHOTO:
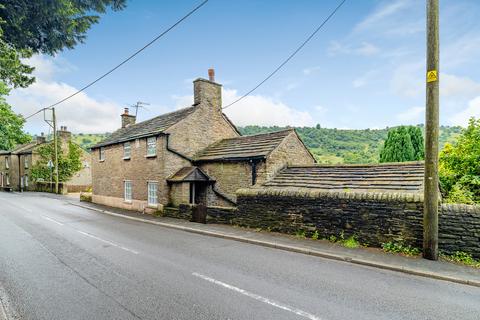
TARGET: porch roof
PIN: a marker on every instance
(190, 174)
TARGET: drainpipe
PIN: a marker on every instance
(176, 152)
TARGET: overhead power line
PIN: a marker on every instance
(123, 62)
(291, 55)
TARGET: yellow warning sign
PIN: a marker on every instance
(432, 76)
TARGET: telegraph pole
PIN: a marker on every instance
(55, 144)
(431, 192)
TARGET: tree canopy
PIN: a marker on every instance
(28, 27)
(11, 125)
(69, 162)
(460, 166)
(403, 144)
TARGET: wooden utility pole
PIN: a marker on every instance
(431, 192)
(55, 144)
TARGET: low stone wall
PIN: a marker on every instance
(183, 211)
(373, 218)
(78, 188)
(222, 215)
(50, 187)
(459, 228)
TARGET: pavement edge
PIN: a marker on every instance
(274, 245)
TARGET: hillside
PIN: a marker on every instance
(328, 145)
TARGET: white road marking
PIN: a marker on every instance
(258, 297)
(52, 220)
(107, 241)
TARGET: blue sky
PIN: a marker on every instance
(365, 69)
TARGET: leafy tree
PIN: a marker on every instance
(460, 166)
(11, 124)
(49, 26)
(402, 144)
(68, 164)
(417, 142)
(35, 26)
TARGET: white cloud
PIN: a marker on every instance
(412, 115)
(385, 10)
(363, 49)
(309, 71)
(451, 85)
(261, 110)
(473, 110)
(80, 113)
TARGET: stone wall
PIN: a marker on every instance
(223, 215)
(372, 218)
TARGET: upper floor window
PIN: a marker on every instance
(26, 162)
(151, 146)
(6, 163)
(127, 150)
(101, 153)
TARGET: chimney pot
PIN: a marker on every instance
(211, 75)
(126, 111)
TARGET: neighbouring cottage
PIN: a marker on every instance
(191, 156)
(16, 165)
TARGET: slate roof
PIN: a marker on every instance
(147, 128)
(406, 177)
(189, 174)
(243, 147)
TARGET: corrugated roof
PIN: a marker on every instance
(244, 147)
(404, 177)
(145, 128)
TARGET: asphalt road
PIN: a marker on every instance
(58, 261)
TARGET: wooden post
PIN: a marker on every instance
(55, 144)
(431, 192)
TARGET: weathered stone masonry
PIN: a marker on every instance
(374, 218)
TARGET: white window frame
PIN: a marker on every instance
(8, 179)
(6, 163)
(152, 193)
(151, 146)
(25, 160)
(127, 146)
(127, 190)
(26, 181)
(101, 154)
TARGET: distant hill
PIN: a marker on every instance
(346, 146)
(327, 145)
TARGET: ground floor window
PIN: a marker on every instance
(26, 181)
(128, 191)
(7, 178)
(152, 193)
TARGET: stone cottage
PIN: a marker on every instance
(194, 155)
(16, 165)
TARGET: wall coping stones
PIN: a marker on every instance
(315, 193)
(457, 207)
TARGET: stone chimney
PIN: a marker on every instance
(208, 92)
(64, 137)
(127, 119)
(41, 138)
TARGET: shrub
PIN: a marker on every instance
(400, 247)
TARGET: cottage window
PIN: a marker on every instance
(152, 193)
(102, 154)
(26, 181)
(6, 163)
(8, 179)
(128, 191)
(127, 150)
(151, 146)
(26, 162)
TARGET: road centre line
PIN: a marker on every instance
(92, 236)
(52, 220)
(107, 241)
(258, 297)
